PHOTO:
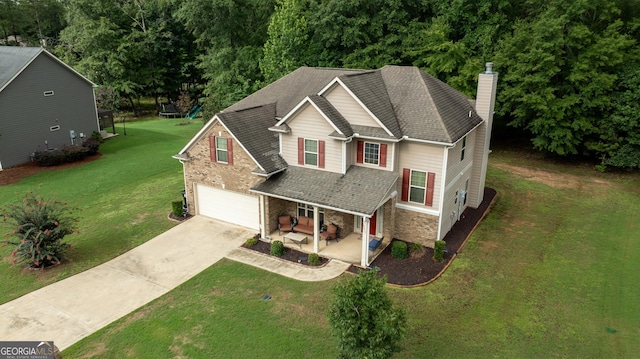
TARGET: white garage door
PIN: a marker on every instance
(228, 206)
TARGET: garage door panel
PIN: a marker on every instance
(228, 206)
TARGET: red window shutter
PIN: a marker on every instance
(321, 154)
(431, 179)
(229, 151)
(212, 148)
(360, 154)
(383, 155)
(406, 173)
(300, 151)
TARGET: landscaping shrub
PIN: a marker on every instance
(314, 259)
(438, 251)
(97, 136)
(277, 248)
(399, 250)
(176, 208)
(251, 242)
(416, 250)
(40, 227)
(74, 153)
(92, 145)
(49, 158)
(364, 319)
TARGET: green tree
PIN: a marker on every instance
(135, 46)
(286, 47)
(558, 71)
(230, 36)
(40, 226)
(364, 319)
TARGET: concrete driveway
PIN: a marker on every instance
(73, 308)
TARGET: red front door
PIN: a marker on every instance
(372, 224)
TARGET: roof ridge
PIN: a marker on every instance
(423, 76)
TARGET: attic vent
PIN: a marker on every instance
(48, 93)
(54, 128)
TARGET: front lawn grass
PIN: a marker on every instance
(122, 199)
(552, 271)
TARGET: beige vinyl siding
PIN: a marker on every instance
(390, 155)
(450, 204)
(478, 158)
(422, 157)
(349, 107)
(309, 123)
(454, 165)
(350, 154)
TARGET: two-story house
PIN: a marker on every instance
(392, 153)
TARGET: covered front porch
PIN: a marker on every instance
(359, 203)
(347, 249)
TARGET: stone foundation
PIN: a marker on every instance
(416, 227)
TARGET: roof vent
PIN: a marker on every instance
(470, 113)
(489, 66)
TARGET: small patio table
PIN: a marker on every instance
(296, 238)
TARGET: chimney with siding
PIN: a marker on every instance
(485, 104)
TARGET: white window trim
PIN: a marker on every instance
(423, 188)
(225, 150)
(464, 148)
(364, 153)
(308, 209)
(317, 153)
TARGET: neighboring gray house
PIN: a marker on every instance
(44, 104)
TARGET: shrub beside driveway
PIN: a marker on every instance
(123, 199)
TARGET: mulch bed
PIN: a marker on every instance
(15, 174)
(290, 254)
(421, 270)
(415, 270)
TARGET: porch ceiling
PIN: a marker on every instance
(360, 191)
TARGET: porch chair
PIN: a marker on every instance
(330, 233)
(284, 224)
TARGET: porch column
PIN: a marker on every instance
(263, 218)
(316, 229)
(364, 259)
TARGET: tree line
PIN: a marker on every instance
(569, 70)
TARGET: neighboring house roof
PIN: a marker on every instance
(251, 128)
(14, 59)
(359, 191)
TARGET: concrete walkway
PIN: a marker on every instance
(73, 308)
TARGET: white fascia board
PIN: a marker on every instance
(407, 207)
(407, 138)
(199, 135)
(241, 145)
(338, 81)
(298, 107)
(311, 203)
(293, 111)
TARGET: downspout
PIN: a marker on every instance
(443, 185)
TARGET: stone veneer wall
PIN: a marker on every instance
(344, 221)
(275, 207)
(416, 227)
(200, 168)
(389, 220)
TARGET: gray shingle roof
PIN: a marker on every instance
(250, 127)
(288, 91)
(427, 108)
(368, 131)
(13, 59)
(361, 190)
(370, 88)
(334, 116)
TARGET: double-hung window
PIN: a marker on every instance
(464, 148)
(417, 186)
(222, 154)
(311, 152)
(371, 153)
